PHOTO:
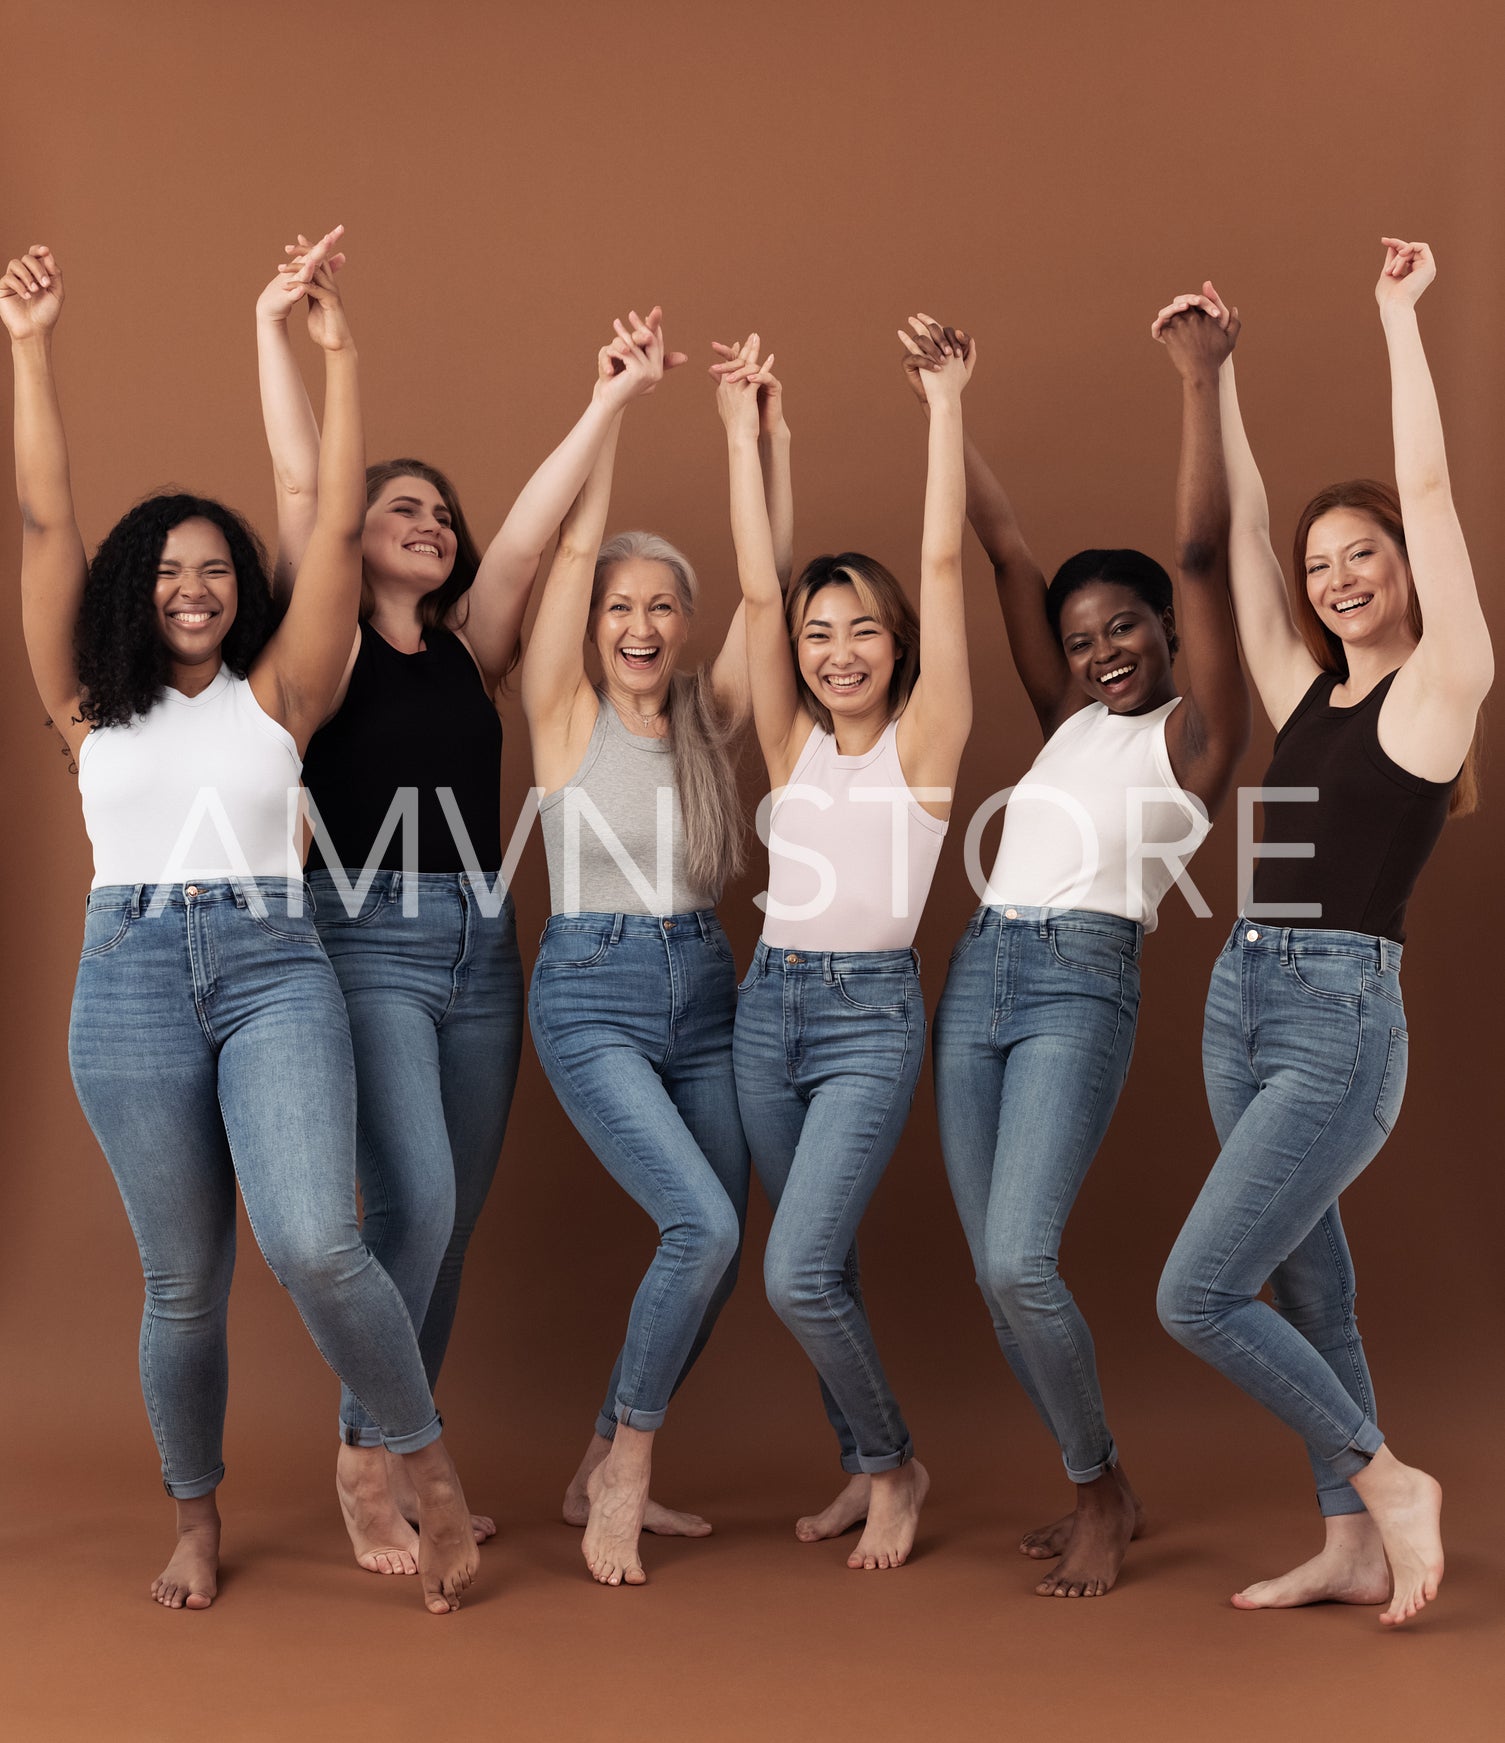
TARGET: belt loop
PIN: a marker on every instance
(394, 888)
(1285, 947)
(1044, 927)
(138, 895)
(827, 972)
(616, 927)
(237, 889)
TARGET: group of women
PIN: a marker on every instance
(233, 1023)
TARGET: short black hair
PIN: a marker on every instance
(1124, 568)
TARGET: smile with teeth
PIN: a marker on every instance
(639, 656)
(845, 680)
(1357, 603)
(1116, 674)
(422, 545)
(191, 619)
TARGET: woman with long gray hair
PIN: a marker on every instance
(634, 993)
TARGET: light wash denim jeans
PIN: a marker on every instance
(209, 1045)
(435, 1000)
(1033, 1037)
(828, 1052)
(1304, 1052)
(632, 1018)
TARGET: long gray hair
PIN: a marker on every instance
(699, 734)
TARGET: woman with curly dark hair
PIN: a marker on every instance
(208, 1041)
(405, 781)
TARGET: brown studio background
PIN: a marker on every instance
(511, 180)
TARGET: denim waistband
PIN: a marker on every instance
(1251, 935)
(1015, 914)
(242, 892)
(392, 883)
(768, 958)
(702, 923)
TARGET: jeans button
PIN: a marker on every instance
(791, 956)
(1011, 913)
(1251, 936)
(668, 925)
(190, 889)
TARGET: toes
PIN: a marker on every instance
(198, 1601)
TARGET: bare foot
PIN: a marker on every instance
(1406, 1507)
(383, 1541)
(893, 1515)
(848, 1509)
(661, 1521)
(1350, 1570)
(1102, 1526)
(190, 1581)
(447, 1556)
(618, 1492)
(1048, 1541)
(482, 1525)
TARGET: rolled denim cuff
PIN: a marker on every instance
(606, 1426)
(359, 1433)
(1091, 1473)
(645, 1421)
(416, 1442)
(876, 1463)
(194, 1487)
(1355, 1457)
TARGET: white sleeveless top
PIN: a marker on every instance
(1100, 821)
(851, 852)
(202, 786)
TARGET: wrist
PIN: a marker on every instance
(778, 432)
(36, 346)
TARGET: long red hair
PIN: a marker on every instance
(1379, 502)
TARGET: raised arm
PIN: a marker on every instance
(291, 430)
(557, 696)
(299, 670)
(729, 676)
(1452, 669)
(1207, 734)
(1019, 582)
(490, 615)
(53, 565)
(934, 727)
(1279, 661)
(780, 721)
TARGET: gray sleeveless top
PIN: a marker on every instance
(613, 833)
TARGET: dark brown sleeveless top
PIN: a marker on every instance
(1373, 825)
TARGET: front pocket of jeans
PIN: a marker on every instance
(878, 993)
(1081, 948)
(1328, 976)
(573, 949)
(286, 928)
(109, 926)
(1393, 1084)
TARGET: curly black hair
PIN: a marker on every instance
(123, 663)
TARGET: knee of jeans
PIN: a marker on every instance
(305, 1264)
(192, 1292)
(1018, 1278)
(794, 1287)
(1182, 1309)
(1316, 1314)
(709, 1237)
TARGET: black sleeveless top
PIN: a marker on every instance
(409, 721)
(1373, 825)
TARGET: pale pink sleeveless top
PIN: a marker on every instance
(851, 852)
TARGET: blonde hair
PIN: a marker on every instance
(700, 736)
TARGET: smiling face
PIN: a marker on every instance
(845, 653)
(1357, 579)
(409, 543)
(195, 593)
(1117, 646)
(639, 624)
